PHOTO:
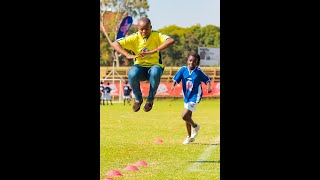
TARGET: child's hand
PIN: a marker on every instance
(131, 56)
(149, 52)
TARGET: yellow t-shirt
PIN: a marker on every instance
(137, 44)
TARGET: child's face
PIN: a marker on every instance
(144, 29)
(192, 62)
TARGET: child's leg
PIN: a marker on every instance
(188, 126)
(186, 115)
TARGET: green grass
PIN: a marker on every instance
(127, 137)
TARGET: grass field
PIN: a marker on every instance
(127, 137)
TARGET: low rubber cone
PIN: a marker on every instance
(114, 173)
(141, 163)
(158, 141)
(131, 168)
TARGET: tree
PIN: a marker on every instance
(187, 40)
(120, 9)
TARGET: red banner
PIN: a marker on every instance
(164, 89)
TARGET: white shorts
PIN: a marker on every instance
(126, 97)
(106, 96)
(191, 106)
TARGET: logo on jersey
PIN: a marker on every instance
(147, 56)
(189, 85)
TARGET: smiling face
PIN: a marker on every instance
(144, 27)
(192, 62)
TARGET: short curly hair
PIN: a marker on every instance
(195, 55)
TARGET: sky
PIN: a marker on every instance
(183, 13)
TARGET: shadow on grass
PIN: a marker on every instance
(205, 144)
(204, 161)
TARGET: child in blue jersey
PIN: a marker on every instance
(101, 92)
(126, 93)
(192, 77)
(106, 93)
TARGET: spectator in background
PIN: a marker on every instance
(106, 93)
(101, 92)
(126, 93)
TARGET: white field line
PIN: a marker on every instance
(204, 156)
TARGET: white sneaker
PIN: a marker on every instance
(188, 140)
(194, 131)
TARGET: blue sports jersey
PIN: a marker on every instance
(107, 89)
(126, 90)
(191, 83)
(101, 88)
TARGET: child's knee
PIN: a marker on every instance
(155, 71)
(185, 117)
